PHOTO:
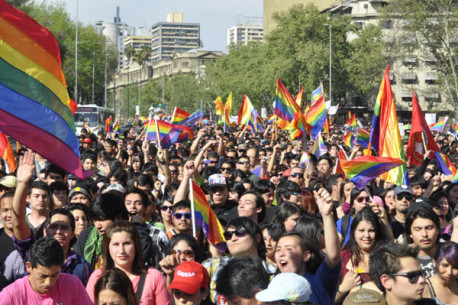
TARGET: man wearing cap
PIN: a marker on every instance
(7, 184)
(87, 143)
(80, 194)
(402, 200)
(190, 283)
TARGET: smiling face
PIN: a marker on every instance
(289, 255)
(364, 235)
(247, 207)
(241, 245)
(446, 271)
(122, 250)
(183, 252)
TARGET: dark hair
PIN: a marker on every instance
(117, 281)
(54, 169)
(144, 197)
(89, 155)
(9, 194)
(150, 167)
(354, 194)
(183, 204)
(418, 180)
(449, 251)
(77, 206)
(242, 276)
(238, 173)
(108, 206)
(120, 175)
(116, 227)
(286, 189)
(275, 231)
(310, 227)
(385, 259)
(252, 229)
(422, 211)
(327, 158)
(236, 187)
(58, 186)
(38, 185)
(260, 203)
(366, 214)
(308, 245)
(144, 180)
(46, 252)
(263, 186)
(284, 211)
(190, 240)
(61, 211)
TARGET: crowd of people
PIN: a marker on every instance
(296, 232)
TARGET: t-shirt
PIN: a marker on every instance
(154, 291)
(398, 228)
(324, 283)
(6, 245)
(426, 264)
(226, 212)
(67, 290)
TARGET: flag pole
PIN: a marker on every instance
(158, 134)
(193, 216)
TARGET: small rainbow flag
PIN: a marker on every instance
(318, 148)
(108, 123)
(270, 118)
(227, 113)
(438, 126)
(284, 106)
(316, 117)
(362, 137)
(305, 159)
(454, 129)
(316, 94)
(348, 139)
(444, 164)
(178, 116)
(192, 119)
(206, 219)
(363, 170)
(455, 179)
(6, 152)
(116, 127)
(219, 106)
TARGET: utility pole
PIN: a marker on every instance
(330, 60)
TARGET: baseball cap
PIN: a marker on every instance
(87, 140)
(79, 189)
(402, 189)
(364, 297)
(217, 180)
(189, 277)
(8, 181)
(115, 187)
(288, 287)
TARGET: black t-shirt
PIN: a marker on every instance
(226, 212)
(270, 212)
(398, 228)
(6, 245)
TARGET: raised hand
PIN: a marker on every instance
(26, 167)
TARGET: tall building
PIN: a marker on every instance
(242, 34)
(174, 36)
(137, 43)
(115, 32)
(277, 6)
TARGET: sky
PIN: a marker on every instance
(214, 16)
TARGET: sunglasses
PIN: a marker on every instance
(243, 162)
(404, 195)
(165, 208)
(296, 175)
(226, 169)
(174, 172)
(55, 226)
(239, 233)
(412, 276)
(186, 216)
(186, 253)
(362, 199)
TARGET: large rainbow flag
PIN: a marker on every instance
(206, 219)
(284, 106)
(364, 169)
(34, 102)
(178, 116)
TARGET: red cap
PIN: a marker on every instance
(87, 140)
(189, 277)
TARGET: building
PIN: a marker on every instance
(173, 36)
(243, 34)
(115, 32)
(272, 7)
(137, 43)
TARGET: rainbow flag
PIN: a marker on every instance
(34, 102)
(116, 127)
(454, 129)
(318, 148)
(193, 118)
(168, 133)
(316, 117)
(298, 98)
(444, 164)
(108, 124)
(6, 152)
(326, 126)
(455, 179)
(284, 106)
(305, 159)
(385, 135)
(227, 113)
(178, 116)
(363, 170)
(438, 126)
(362, 137)
(219, 106)
(245, 111)
(348, 139)
(316, 94)
(352, 123)
(206, 219)
(163, 126)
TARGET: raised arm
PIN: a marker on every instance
(188, 172)
(195, 143)
(24, 176)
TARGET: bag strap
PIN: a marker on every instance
(141, 283)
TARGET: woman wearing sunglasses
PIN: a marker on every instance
(166, 213)
(443, 285)
(122, 249)
(182, 248)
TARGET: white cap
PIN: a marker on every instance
(289, 287)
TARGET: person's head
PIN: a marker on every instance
(423, 227)
(271, 233)
(118, 176)
(286, 288)
(136, 202)
(185, 248)
(43, 264)
(122, 248)
(244, 164)
(109, 146)
(418, 186)
(54, 173)
(446, 262)
(182, 218)
(287, 215)
(105, 209)
(287, 191)
(80, 193)
(217, 187)
(59, 193)
(244, 237)
(39, 196)
(114, 287)
(241, 279)
(296, 175)
(81, 214)
(252, 205)
(166, 209)
(89, 161)
(325, 165)
(403, 198)
(227, 167)
(190, 283)
(359, 199)
(235, 191)
(365, 233)
(253, 154)
(267, 190)
(311, 228)
(60, 224)
(441, 205)
(6, 210)
(452, 193)
(395, 270)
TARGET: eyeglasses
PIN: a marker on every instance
(226, 169)
(186, 216)
(186, 253)
(212, 162)
(413, 276)
(239, 233)
(296, 175)
(165, 208)
(56, 226)
(243, 162)
(404, 195)
(362, 199)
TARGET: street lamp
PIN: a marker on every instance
(330, 60)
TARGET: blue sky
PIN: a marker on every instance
(214, 16)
